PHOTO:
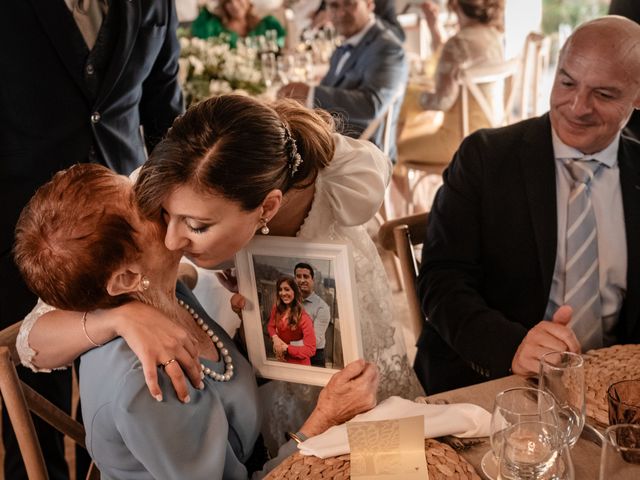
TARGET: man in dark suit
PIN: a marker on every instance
(498, 283)
(83, 81)
(366, 74)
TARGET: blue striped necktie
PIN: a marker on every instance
(582, 281)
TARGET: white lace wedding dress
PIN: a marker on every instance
(348, 193)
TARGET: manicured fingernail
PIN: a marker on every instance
(158, 397)
(201, 386)
(186, 399)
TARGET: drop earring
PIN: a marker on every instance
(265, 229)
(145, 282)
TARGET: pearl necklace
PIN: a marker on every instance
(224, 353)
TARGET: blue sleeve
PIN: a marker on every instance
(172, 439)
(385, 73)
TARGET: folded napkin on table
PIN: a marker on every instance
(461, 419)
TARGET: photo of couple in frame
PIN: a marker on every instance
(301, 313)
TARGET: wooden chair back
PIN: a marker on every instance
(471, 78)
(400, 236)
(416, 34)
(385, 119)
(19, 400)
(535, 61)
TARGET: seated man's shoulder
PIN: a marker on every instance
(510, 136)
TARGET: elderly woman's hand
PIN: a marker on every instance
(156, 339)
(349, 392)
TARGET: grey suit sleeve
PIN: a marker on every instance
(385, 72)
(451, 280)
(162, 99)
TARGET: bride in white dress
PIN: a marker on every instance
(347, 191)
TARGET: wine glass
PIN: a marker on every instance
(562, 375)
(269, 68)
(517, 405)
(285, 68)
(620, 458)
(513, 406)
(534, 450)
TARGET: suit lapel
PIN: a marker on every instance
(56, 21)
(369, 37)
(129, 13)
(628, 153)
(539, 173)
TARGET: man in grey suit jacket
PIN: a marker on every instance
(495, 282)
(365, 75)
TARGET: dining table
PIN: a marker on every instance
(585, 454)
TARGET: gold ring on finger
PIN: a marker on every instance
(171, 360)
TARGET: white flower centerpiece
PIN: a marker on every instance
(210, 67)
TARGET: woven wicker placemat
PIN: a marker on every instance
(442, 462)
(604, 367)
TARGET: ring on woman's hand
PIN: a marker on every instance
(171, 360)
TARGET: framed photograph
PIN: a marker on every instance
(301, 314)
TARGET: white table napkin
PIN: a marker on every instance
(461, 419)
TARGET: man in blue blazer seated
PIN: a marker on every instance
(366, 74)
(533, 242)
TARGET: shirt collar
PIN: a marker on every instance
(309, 298)
(607, 156)
(354, 40)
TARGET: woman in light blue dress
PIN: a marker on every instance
(82, 245)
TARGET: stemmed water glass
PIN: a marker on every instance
(562, 375)
(514, 406)
(534, 450)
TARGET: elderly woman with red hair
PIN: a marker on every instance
(81, 245)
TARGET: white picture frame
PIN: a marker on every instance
(267, 257)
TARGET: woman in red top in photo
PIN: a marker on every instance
(289, 323)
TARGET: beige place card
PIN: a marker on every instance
(388, 449)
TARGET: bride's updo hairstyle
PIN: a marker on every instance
(73, 234)
(240, 148)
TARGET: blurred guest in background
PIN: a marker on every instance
(236, 19)
(91, 81)
(365, 75)
(533, 242)
(478, 41)
(385, 10)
